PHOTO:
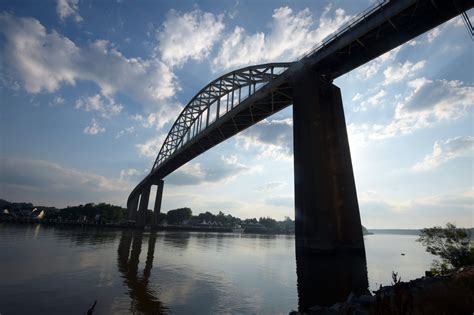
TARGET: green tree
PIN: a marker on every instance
(286, 226)
(268, 222)
(206, 216)
(178, 215)
(452, 244)
(161, 217)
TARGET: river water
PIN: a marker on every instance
(53, 270)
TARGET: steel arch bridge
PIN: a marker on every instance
(241, 98)
(224, 107)
(217, 99)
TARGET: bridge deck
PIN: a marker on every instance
(385, 27)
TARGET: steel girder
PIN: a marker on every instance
(214, 101)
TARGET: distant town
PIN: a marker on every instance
(109, 215)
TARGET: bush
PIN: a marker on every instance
(451, 244)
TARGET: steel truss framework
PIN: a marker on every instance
(214, 101)
(223, 108)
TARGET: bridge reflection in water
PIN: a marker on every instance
(322, 279)
(143, 298)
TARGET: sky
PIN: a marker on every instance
(90, 89)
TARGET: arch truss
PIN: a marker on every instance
(213, 102)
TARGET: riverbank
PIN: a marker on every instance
(450, 294)
(184, 228)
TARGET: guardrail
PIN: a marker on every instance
(345, 27)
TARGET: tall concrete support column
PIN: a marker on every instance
(157, 208)
(327, 218)
(142, 210)
(132, 208)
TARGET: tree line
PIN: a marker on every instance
(112, 213)
(116, 214)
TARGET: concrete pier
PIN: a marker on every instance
(132, 207)
(327, 215)
(328, 278)
(159, 196)
(142, 209)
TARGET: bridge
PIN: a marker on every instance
(327, 215)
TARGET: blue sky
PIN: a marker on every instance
(90, 89)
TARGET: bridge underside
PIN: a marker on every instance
(326, 209)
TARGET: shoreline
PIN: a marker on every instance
(447, 294)
(183, 228)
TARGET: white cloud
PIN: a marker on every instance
(160, 118)
(356, 97)
(428, 102)
(151, 147)
(375, 100)
(442, 98)
(271, 186)
(463, 199)
(433, 34)
(94, 128)
(47, 183)
(43, 61)
(106, 106)
(400, 71)
(126, 175)
(238, 49)
(57, 101)
(273, 138)
(128, 130)
(226, 169)
(188, 36)
(281, 201)
(66, 8)
(372, 68)
(444, 151)
(290, 36)
(379, 211)
(358, 134)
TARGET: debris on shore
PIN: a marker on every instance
(449, 294)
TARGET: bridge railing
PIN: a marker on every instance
(345, 27)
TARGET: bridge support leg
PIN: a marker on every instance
(327, 218)
(157, 208)
(143, 208)
(132, 208)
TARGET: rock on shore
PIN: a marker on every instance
(451, 294)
